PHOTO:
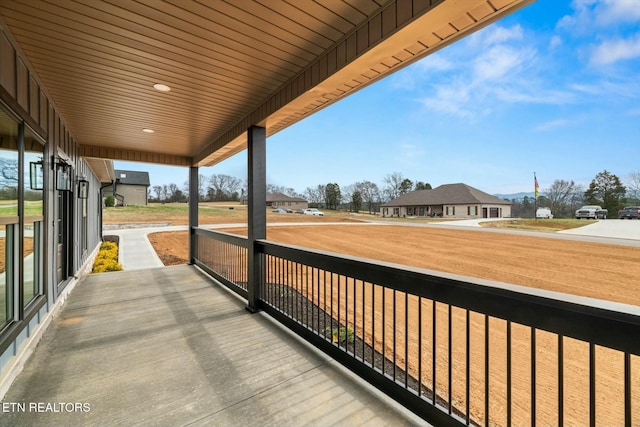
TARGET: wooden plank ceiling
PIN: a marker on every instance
(229, 64)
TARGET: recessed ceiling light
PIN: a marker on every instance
(147, 130)
(161, 87)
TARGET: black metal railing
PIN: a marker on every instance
(224, 256)
(456, 350)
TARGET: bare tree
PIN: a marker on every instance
(202, 182)
(315, 195)
(561, 195)
(165, 192)
(223, 187)
(158, 190)
(633, 188)
(174, 192)
(288, 191)
(393, 185)
(369, 192)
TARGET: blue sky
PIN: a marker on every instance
(553, 89)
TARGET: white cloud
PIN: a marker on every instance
(533, 94)
(409, 154)
(500, 61)
(610, 12)
(609, 89)
(600, 13)
(409, 79)
(553, 124)
(611, 51)
(555, 42)
(499, 35)
(504, 70)
(435, 63)
(450, 99)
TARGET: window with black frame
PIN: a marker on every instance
(33, 218)
(9, 221)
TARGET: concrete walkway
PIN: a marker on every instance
(135, 252)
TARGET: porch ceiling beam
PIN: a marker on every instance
(133, 156)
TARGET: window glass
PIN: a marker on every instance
(33, 219)
(8, 212)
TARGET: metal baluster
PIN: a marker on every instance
(627, 390)
(509, 386)
(560, 381)
(486, 370)
(406, 340)
(419, 346)
(433, 350)
(592, 384)
(450, 356)
(468, 366)
(533, 377)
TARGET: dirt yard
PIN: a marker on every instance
(600, 271)
(594, 270)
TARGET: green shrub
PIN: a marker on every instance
(107, 258)
(110, 201)
(346, 334)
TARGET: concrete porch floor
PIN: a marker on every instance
(170, 347)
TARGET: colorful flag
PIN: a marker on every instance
(536, 184)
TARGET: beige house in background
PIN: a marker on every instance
(279, 200)
(130, 188)
(447, 201)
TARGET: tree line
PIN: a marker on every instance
(563, 197)
(220, 187)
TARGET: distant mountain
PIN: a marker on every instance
(517, 196)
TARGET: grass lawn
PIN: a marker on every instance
(536, 224)
(175, 213)
(234, 212)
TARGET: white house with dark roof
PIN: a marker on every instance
(447, 201)
(130, 188)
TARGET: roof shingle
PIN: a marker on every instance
(447, 194)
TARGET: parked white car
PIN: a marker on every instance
(544, 213)
(313, 211)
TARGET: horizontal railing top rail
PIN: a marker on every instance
(223, 237)
(603, 323)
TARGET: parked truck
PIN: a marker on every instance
(630, 212)
(591, 212)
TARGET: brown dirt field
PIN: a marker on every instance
(28, 249)
(594, 270)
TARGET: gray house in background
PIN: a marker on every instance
(130, 188)
(447, 201)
